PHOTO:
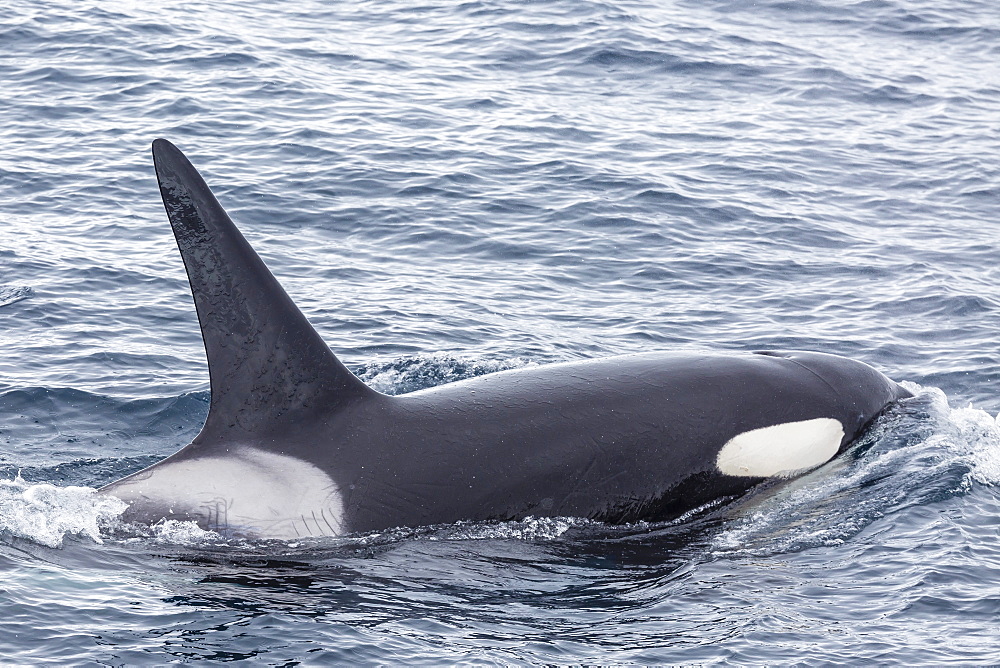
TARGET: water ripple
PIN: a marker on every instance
(453, 188)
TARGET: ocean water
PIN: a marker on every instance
(453, 188)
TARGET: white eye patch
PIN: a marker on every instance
(781, 449)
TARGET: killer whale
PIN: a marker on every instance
(295, 445)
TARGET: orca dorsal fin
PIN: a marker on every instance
(268, 367)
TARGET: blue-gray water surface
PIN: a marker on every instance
(453, 188)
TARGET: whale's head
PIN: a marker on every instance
(862, 392)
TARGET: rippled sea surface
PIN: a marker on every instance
(453, 188)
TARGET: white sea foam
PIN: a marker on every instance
(47, 514)
(180, 532)
(530, 528)
(983, 430)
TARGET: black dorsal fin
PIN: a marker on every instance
(268, 366)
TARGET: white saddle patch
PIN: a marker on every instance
(781, 449)
(248, 491)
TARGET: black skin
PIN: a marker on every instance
(618, 439)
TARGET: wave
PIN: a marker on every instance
(409, 374)
(921, 452)
(11, 294)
